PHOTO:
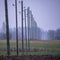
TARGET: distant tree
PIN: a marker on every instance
(10, 35)
(57, 35)
(3, 32)
(51, 35)
(4, 36)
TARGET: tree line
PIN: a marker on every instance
(34, 33)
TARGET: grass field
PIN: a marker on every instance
(47, 47)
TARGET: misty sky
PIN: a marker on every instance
(46, 13)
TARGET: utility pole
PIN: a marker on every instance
(7, 28)
(28, 22)
(25, 28)
(31, 23)
(22, 27)
(16, 27)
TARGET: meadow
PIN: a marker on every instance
(39, 47)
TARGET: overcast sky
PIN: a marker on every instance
(46, 13)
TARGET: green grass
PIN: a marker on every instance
(3, 53)
(44, 45)
(51, 47)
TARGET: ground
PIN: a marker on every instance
(38, 47)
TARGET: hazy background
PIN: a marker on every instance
(46, 13)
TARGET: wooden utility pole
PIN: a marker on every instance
(28, 22)
(16, 27)
(25, 28)
(22, 27)
(7, 28)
